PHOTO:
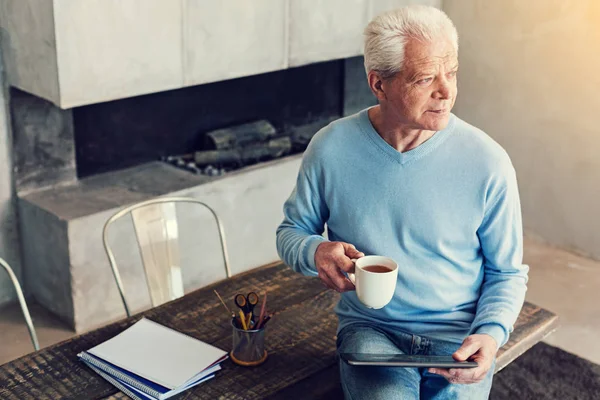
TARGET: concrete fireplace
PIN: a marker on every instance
(88, 138)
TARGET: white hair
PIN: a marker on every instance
(387, 34)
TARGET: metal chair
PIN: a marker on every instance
(155, 224)
(24, 308)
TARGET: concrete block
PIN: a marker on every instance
(9, 237)
(248, 201)
(75, 53)
(44, 143)
(96, 299)
(357, 93)
(29, 45)
(233, 38)
(109, 49)
(320, 31)
(46, 257)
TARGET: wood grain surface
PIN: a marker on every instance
(300, 340)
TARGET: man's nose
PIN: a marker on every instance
(443, 90)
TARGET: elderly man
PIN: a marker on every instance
(409, 180)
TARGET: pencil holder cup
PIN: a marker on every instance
(248, 346)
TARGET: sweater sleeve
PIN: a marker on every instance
(505, 276)
(305, 215)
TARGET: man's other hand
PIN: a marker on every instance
(480, 348)
(331, 258)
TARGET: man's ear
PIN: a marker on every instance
(376, 85)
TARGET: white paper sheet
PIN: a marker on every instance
(158, 353)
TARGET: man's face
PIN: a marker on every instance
(422, 94)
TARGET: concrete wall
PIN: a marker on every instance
(9, 242)
(43, 143)
(529, 78)
(357, 93)
(65, 52)
(63, 227)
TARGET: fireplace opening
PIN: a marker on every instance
(173, 126)
(209, 129)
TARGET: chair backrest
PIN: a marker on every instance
(157, 233)
(24, 308)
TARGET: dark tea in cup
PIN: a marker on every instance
(377, 268)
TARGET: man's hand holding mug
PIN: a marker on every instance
(374, 276)
(334, 258)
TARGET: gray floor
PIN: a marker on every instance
(568, 285)
(562, 282)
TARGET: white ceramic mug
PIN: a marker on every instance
(374, 289)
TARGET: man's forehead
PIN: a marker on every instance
(449, 59)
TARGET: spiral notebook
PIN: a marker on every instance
(151, 361)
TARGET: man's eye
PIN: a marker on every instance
(452, 74)
(424, 81)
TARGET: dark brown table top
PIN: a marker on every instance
(300, 340)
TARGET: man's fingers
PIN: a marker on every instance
(334, 258)
(341, 260)
(351, 251)
(468, 348)
(440, 371)
(480, 374)
(344, 263)
(340, 281)
(333, 278)
(327, 281)
(465, 375)
(477, 348)
(348, 246)
(458, 376)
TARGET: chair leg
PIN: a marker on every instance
(23, 304)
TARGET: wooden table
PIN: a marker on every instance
(300, 340)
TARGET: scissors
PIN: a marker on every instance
(246, 303)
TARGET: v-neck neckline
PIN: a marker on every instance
(410, 155)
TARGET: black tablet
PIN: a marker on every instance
(405, 360)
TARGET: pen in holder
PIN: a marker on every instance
(248, 346)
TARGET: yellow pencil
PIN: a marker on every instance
(243, 318)
(249, 320)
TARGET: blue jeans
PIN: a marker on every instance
(387, 383)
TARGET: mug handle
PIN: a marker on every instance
(351, 275)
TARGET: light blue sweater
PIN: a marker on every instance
(447, 212)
